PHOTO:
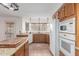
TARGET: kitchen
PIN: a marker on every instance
(52, 24)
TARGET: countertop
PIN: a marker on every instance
(22, 35)
(11, 51)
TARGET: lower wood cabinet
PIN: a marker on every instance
(20, 52)
(76, 52)
(26, 50)
(23, 51)
(41, 38)
(61, 54)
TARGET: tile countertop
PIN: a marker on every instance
(11, 51)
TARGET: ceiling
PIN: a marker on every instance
(31, 9)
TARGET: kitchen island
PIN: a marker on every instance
(21, 49)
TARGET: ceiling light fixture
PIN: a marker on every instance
(11, 6)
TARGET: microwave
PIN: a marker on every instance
(63, 28)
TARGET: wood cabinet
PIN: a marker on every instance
(22, 51)
(61, 54)
(77, 29)
(36, 38)
(40, 38)
(61, 14)
(76, 52)
(77, 25)
(26, 49)
(66, 11)
(69, 9)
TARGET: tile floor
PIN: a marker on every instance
(39, 49)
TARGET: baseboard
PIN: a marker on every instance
(51, 52)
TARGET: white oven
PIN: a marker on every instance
(67, 47)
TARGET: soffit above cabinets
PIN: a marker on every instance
(31, 9)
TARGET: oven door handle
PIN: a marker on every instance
(71, 43)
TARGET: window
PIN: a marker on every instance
(39, 27)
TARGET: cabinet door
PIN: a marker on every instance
(43, 38)
(47, 38)
(76, 52)
(36, 38)
(69, 9)
(26, 49)
(20, 52)
(66, 10)
(61, 14)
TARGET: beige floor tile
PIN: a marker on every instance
(39, 49)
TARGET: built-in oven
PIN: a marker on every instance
(67, 47)
(67, 26)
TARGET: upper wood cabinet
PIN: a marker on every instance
(61, 14)
(66, 11)
(69, 9)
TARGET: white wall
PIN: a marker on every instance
(3, 20)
